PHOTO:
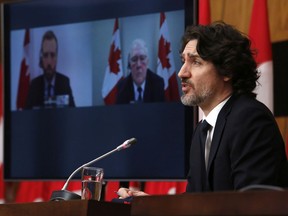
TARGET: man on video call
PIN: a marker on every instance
(141, 85)
(51, 87)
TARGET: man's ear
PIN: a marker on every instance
(226, 78)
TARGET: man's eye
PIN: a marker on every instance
(196, 62)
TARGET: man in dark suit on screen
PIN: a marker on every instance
(141, 85)
(51, 89)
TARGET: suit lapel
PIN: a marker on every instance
(219, 127)
(125, 89)
(130, 92)
(197, 162)
(148, 88)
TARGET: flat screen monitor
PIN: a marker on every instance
(51, 140)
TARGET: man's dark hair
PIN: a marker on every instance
(49, 35)
(230, 52)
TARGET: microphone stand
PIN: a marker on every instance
(64, 194)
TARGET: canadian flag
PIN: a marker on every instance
(38, 191)
(260, 36)
(165, 187)
(24, 78)
(110, 190)
(29, 191)
(165, 63)
(204, 12)
(49, 186)
(114, 69)
(166, 69)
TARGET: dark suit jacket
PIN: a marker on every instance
(154, 89)
(36, 91)
(247, 148)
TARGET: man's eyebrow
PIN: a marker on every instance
(190, 55)
(193, 55)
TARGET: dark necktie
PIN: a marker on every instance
(139, 89)
(204, 127)
(49, 90)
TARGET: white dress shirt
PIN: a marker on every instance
(211, 119)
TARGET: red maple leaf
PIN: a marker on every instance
(114, 56)
(164, 50)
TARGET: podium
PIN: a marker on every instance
(66, 208)
(216, 203)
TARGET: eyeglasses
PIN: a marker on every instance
(137, 58)
(47, 54)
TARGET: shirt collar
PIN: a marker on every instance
(212, 116)
(142, 86)
(52, 81)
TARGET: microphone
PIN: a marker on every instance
(64, 194)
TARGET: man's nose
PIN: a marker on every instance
(182, 70)
(138, 62)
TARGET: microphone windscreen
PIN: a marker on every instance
(132, 141)
(126, 144)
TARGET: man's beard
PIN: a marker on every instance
(191, 100)
(49, 72)
(195, 100)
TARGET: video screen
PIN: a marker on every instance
(97, 52)
(83, 52)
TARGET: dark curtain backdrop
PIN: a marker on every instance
(280, 64)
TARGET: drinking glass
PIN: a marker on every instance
(92, 178)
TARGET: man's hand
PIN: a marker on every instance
(125, 192)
